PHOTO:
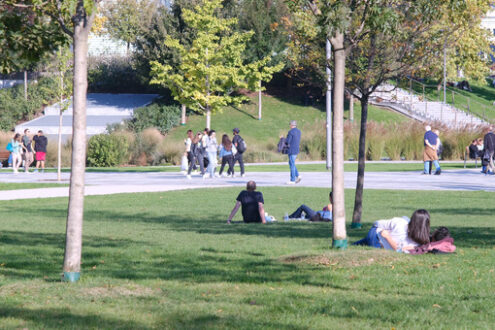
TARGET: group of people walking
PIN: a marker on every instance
(203, 149)
(24, 148)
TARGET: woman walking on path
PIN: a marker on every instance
(227, 152)
(211, 149)
(188, 142)
(16, 152)
(196, 155)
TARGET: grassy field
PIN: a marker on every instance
(275, 121)
(348, 167)
(15, 186)
(168, 260)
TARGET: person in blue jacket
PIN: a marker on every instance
(292, 141)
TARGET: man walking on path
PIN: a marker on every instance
(40, 143)
(240, 145)
(28, 150)
(489, 150)
(430, 152)
(293, 140)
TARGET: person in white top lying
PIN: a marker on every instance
(399, 234)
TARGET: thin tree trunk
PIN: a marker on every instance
(339, 230)
(358, 201)
(59, 151)
(73, 244)
(183, 115)
(208, 117)
(259, 102)
(25, 86)
(351, 108)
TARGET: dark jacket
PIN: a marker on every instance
(293, 140)
(489, 142)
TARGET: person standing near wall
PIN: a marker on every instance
(293, 140)
(40, 143)
(28, 150)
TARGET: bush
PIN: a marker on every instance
(108, 150)
(14, 108)
(157, 115)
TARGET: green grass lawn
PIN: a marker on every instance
(349, 167)
(168, 260)
(275, 121)
(15, 186)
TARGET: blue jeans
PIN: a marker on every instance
(303, 208)
(212, 162)
(427, 166)
(370, 240)
(293, 170)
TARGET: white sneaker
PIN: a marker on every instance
(243, 175)
(216, 175)
(224, 175)
(206, 175)
(291, 182)
(298, 179)
(188, 177)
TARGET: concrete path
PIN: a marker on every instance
(114, 183)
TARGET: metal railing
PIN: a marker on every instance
(432, 93)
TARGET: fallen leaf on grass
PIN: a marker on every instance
(354, 309)
(219, 311)
(94, 267)
(437, 306)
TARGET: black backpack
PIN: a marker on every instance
(241, 145)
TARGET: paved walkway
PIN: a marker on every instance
(114, 183)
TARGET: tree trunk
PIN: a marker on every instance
(259, 102)
(183, 115)
(358, 201)
(25, 85)
(351, 108)
(59, 144)
(208, 117)
(73, 244)
(339, 230)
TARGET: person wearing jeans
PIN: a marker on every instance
(431, 143)
(211, 149)
(293, 140)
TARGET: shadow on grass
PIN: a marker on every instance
(55, 318)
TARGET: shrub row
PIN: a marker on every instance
(14, 108)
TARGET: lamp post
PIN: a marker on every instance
(328, 96)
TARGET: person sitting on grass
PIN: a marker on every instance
(252, 205)
(324, 215)
(441, 243)
(399, 234)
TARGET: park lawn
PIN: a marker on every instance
(168, 260)
(275, 119)
(31, 185)
(348, 167)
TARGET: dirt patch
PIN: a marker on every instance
(118, 291)
(346, 259)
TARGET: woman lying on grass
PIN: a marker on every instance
(399, 234)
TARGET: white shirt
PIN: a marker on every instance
(397, 227)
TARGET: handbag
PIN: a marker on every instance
(9, 147)
(183, 163)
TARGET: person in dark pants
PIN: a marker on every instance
(252, 205)
(489, 150)
(293, 140)
(227, 151)
(241, 148)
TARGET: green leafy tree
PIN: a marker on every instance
(126, 19)
(210, 66)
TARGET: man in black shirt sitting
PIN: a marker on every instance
(252, 205)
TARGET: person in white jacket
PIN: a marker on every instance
(399, 234)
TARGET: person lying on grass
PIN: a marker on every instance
(324, 215)
(252, 205)
(399, 234)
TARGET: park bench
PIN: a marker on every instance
(4, 156)
(468, 155)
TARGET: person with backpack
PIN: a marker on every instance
(240, 145)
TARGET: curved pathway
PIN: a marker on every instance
(105, 183)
